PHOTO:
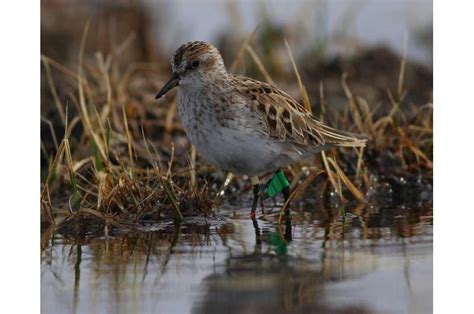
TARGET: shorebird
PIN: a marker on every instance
(243, 125)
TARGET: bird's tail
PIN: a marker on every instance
(341, 138)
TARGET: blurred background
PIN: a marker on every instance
(335, 27)
(323, 35)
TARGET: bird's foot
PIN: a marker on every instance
(252, 215)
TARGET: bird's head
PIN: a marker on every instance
(193, 63)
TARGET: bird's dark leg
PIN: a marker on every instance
(258, 239)
(256, 192)
(288, 236)
(286, 195)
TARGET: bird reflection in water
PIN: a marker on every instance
(276, 238)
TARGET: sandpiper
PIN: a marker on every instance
(243, 125)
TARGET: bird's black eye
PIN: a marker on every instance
(195, 63)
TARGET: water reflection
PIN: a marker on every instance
(284, 240)
(266, 280)
(370, 260)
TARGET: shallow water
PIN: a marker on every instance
(371, 261)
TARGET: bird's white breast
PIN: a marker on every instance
(227, 137)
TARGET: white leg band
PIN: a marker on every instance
(254, 180)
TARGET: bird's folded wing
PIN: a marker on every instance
(287, 120)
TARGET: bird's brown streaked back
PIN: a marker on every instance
(287, 120)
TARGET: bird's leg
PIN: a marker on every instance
(278, 183)
(256, 191)
(286, 195)
(285, 189)
(288, 236)
(258, 239)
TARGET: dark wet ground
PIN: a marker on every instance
(372, 260)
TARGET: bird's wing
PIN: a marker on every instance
(287, 120)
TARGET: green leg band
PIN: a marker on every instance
(277, 184)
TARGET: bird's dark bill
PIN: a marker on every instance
(172, 83)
